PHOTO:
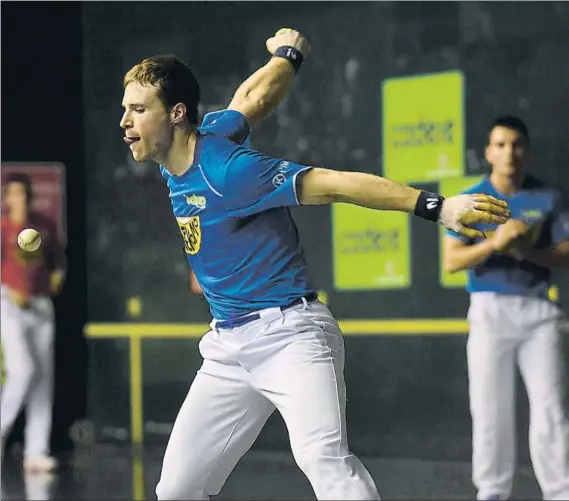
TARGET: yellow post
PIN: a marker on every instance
(136, 390)
(137, 475)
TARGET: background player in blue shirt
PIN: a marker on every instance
(512, 322)
(272, 343)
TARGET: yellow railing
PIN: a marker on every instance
(136, 331)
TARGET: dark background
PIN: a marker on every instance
(42, 120)
(61, 88)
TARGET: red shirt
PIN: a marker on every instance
(29, 272)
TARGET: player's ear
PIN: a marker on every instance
(487, 154)
(177, 114)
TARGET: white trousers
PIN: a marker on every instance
(27, 337)
(508, 332)
(292, 361)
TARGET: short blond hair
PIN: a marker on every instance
(174, 79)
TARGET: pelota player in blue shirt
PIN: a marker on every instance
(512, 322)
(272, 343)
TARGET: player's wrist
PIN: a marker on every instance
(290, 54)
(429, 206)
(489, 244)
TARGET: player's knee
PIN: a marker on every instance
(317, 458)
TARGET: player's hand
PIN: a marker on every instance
(56, 282)
(507, 236)
(461, 212)
(287, 36)
(20, 299)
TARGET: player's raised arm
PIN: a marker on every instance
(321, 186)
(259, 95)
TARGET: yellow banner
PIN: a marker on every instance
(449, 188)
(371, 249)
(423, 127)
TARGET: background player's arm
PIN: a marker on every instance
(555, 256)
(262, 92)
(57, 277)
(459, 255)
(56, 260)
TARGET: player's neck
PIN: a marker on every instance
(18, 216)
(507, 184)
(180, 156)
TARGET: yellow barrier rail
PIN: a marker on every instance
(349, 327)
(135, 332)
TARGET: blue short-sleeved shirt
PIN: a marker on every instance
(232, 207)
(543, 208)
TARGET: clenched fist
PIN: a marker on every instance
(506, 236)
(290, 37)
(461, 212)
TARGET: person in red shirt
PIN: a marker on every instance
(29, 279)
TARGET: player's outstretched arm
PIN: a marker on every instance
(322, 186)
(263, 91)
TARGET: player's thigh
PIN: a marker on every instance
(40, 320)
(217, 423)
(17, 354)
(491, 352)
(541, 364)
(305, 381)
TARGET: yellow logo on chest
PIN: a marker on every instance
(196, 201)
(191, 233)
(532, 214)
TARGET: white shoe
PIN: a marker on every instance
(40, 464)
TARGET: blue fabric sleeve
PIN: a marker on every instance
(254, 182)
(227, 123)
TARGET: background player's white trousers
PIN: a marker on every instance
(505, 332)
(292, 361)
(27, 337)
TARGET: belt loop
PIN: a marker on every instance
(304, 303)
(213, 324)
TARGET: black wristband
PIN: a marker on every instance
(290, 54)
(429, 206)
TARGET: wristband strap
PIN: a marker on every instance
(429, 206)
(291, 54)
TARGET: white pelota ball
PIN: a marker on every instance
(29, 240)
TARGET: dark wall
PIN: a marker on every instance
(42, 120)
(513, 58)
(507, 70)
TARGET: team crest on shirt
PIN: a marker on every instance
(191, 233)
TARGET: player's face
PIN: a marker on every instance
(506, 151)
(15, 197)
(146, 122)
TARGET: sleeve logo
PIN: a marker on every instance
(280, 177)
